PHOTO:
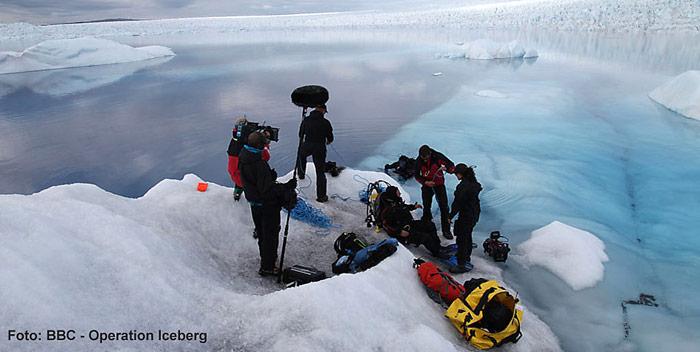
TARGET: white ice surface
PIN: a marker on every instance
(77, 256)
(680, 94)
(574, 255)
(79, 52)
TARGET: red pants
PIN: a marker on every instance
(234, 172)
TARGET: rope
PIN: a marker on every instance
(340, 156)
(304, 212)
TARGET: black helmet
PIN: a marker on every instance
(462, 169)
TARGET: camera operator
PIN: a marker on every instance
(234, 149)
(466, 204)
(430, 165)
(263, 193)
(316, 132)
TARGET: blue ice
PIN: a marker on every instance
(586, 146)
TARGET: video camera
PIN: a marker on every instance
(242, 131)
(496, 246)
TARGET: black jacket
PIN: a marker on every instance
(258, 178)
(316, 129)
(466, 201)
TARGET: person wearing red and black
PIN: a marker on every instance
(430, 165)
(262, 192)
(465, 204)
(315, 132)
(234, 149)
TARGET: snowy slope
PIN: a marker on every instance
(77, 256)
(78, 52)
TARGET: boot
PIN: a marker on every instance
(275, 271)
(322, 199)
(447, 234)
(237, 191)
(461, 268)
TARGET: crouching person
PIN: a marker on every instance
(398, 222)
(263, 193)
(466, 205)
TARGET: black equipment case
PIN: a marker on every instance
(302, 275)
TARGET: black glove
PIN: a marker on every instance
(274, 174)
(291, 184)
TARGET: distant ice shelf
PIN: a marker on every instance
(77, 52)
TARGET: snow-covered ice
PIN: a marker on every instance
(680, 94)
(485, 49)
(80, 257)
(575, 255)
(79, 52)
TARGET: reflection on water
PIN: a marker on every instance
(125, 127)
(73, 80)
(176, 118)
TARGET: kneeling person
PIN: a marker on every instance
(262, 192)
(398, 222)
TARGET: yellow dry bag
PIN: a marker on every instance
(486, 315)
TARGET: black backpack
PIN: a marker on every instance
(349, 243)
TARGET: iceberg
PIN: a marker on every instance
(681, 94)
(576, 256)
(178, 259)
(485, 49)
(78, 52)
(487, 93)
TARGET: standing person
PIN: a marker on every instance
(261, 191)
(430, 165)
(466, 204)
(316, 132)
(237, 142)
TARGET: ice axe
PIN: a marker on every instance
(304, 97)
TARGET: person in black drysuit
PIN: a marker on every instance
(397, 221)
(466, 205)
(316, 132)
(405, 167)
(430, 165)
(262, 192)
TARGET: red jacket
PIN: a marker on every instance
(430, 170)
